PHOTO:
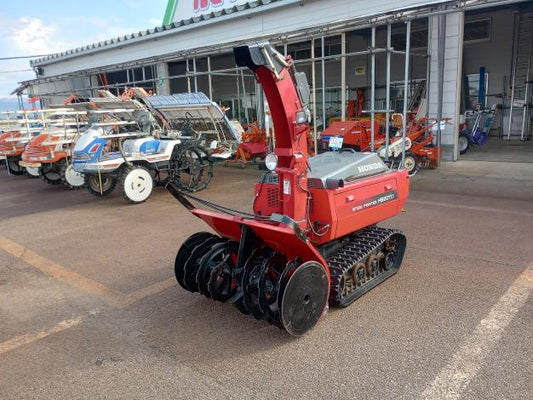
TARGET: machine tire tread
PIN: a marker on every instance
(97, 193)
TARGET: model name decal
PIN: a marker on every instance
(368, 167)
(376, 200)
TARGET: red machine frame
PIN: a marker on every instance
(291, 218)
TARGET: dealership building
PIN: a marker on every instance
(442, 58)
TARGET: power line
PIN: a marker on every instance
(20, 57)
(18, 70)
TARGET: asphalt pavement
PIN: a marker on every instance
(89, 307)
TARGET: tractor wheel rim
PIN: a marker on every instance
(138, 185)
(409, 163)
(94, 183)
(33, 171)
(73, 178)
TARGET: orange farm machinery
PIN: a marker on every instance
(312, 238)
(50, 152)
(253, 145)
(356, 134)
(17, 130)
(419, 147)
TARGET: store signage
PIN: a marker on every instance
(204, 5)
(185, 9)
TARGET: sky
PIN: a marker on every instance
(38, 27)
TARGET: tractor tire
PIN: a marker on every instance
(71, 179)
(50, 174)
(464, 142)
(33, 172)
(92, 183)
(136, 184)
(410, 164)
(13, 167)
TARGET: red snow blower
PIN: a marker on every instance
(312, 238)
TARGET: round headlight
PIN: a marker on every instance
(271, 161)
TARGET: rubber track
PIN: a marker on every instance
(357, 250)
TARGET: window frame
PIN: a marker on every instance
(480, 40)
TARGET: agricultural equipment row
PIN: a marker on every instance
(134, 141)
(420, 150)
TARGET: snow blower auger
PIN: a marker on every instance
(312, 238)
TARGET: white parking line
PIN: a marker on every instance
(465, 364)
(22, 340)
(51, 268)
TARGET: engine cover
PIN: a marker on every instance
(333, 169)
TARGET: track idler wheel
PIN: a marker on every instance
(393, 252)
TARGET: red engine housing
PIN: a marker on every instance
(345, 209)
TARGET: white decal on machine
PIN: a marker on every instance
(376, 201)
(369, 167)
(286, 186)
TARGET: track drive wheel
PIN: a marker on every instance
(50, 174)
(13, 166)
(136, 184)
(70, 178)
(304, 298)
(100, 186)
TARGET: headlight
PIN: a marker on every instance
(271, 161)
(302, 116)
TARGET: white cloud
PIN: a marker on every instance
(52, 33)
(31, 36)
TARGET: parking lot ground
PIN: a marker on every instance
(89, 308)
